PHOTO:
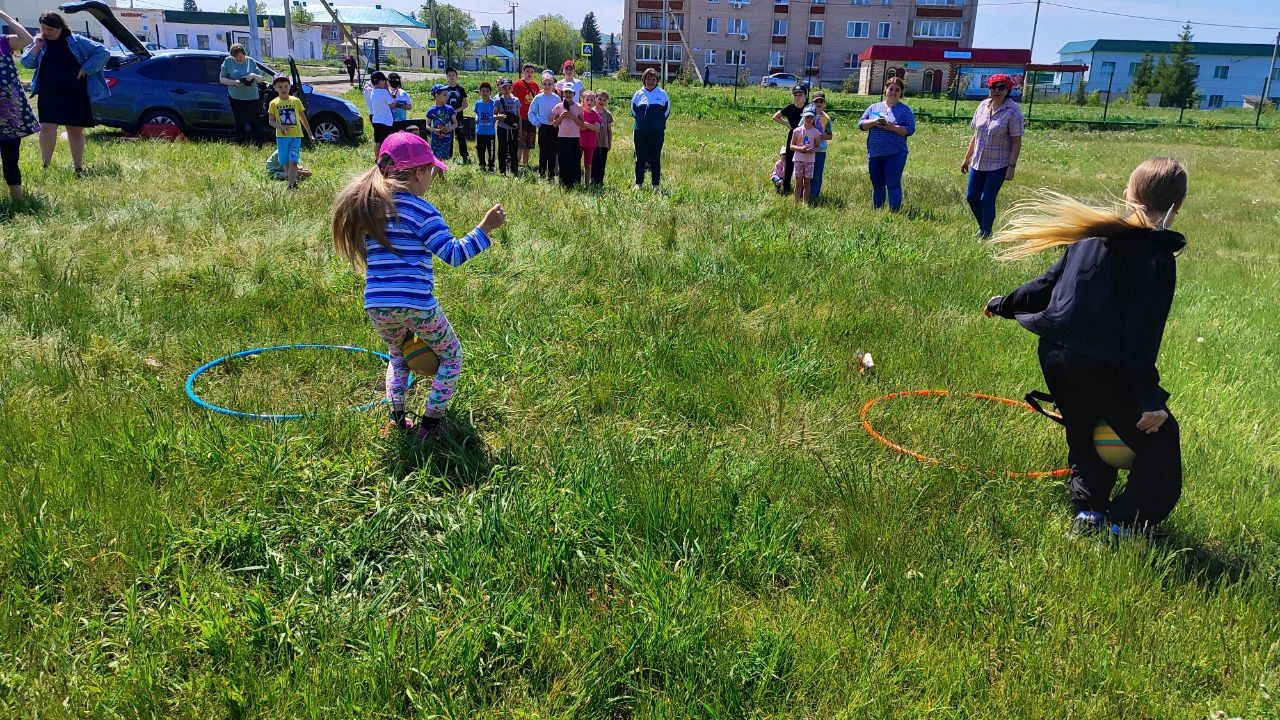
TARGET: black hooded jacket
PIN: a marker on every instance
(1107, 299)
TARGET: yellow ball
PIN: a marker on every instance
(1111, 448)
(421, 358)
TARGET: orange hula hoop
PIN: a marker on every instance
(866, 425)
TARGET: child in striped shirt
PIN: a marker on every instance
(385, 228)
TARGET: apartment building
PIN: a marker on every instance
(819, 39)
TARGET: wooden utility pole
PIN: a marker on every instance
(1266, 82)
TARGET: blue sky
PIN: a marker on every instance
(1001, 23)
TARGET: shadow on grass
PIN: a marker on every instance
(458, 455)
(34, 205)
(1189, 560)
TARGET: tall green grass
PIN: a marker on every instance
(654, 498)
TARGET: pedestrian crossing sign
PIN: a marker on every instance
(587, 49)
(431, 44)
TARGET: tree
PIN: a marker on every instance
(238, 9)
(1144, 79)
(612, 58)
(303, 16)
(591, 34)
(549, 40)
(1176, 80)
(190, 6)
(497, 37)
(452, 32)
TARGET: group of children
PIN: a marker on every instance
(806, 147)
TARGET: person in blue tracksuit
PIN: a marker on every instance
(650, 107)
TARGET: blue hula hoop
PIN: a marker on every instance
(191, 381)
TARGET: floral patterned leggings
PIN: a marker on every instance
(432, 327)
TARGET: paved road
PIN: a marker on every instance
(329, 81)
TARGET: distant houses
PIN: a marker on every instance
(1227, 74)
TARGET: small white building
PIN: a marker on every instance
(1226, 73)
(407, 45)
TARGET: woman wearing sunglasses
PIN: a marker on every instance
(993, 150)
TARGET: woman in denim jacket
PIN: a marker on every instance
(69, 69)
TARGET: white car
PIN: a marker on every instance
(779, 80)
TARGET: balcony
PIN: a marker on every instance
(939, 12)
(817, 9)
(815, 40)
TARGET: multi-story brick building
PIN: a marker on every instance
(820, 39)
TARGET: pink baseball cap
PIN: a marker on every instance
(403, 151)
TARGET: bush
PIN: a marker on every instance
(850, 84)
(391, 61)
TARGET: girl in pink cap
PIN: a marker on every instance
(388, 231)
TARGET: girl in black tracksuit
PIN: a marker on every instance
(1100, 312)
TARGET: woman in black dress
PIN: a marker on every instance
(68, 78)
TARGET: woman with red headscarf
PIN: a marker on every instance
(993, 150)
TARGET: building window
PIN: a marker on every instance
(858, 29)
(886, 3)
(713, 26)
(883, 30)
(850, 61)
(735, 57)
(675, 53)
(812, 61)
(777, 59)
(1133, 68)
(202, 42)
(859, 2)
(1215, 102)
(815, 28)
(1220, 72)
(935, 29)
(779, 27)
(1108, 69)
(333, 32)
(938, 2)
(782, 3)
(181, 39)
(709, 58)
(1275, 75)
(713, 1)
(648, 21)
(817, 2)
(647, 52)
(1195, 69)
(737, 26)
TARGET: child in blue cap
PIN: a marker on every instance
(441, 121)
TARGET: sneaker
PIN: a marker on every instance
(1088, 522)
(428, 428)
(1120, 532)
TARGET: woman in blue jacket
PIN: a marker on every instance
(67, 80)
(1100, 312)
(650, 106)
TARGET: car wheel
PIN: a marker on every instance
(162, 117)
(328, 130)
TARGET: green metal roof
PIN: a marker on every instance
(1161, 47)
(218, 18)
(363, 15)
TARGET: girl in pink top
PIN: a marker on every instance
(567, 117)
(591, 123)
(804, 143)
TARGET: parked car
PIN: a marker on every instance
(779, 79)
(181, 88)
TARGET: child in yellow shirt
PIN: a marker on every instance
(289, 118)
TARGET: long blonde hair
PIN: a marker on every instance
(363, 208)
(1050, 219)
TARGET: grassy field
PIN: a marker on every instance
(654, 499)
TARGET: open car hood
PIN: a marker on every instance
(102, 13)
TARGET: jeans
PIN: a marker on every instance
(984, 185)
(886, 179)
(649, 154)
(247, 114)
(1086, 391)
(819, 164)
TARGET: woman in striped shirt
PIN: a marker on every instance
(385, 228)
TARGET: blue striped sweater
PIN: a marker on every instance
(403, 278)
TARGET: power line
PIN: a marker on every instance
(1155, 19)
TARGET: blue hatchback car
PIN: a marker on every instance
(181, 88)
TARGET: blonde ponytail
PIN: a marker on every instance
(1050, 219)
(362, 209)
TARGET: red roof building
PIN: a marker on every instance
(933, 70)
